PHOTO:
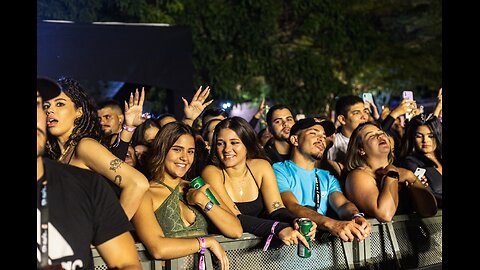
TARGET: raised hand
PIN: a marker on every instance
(197, 104)
(261, 109)
(134, 108)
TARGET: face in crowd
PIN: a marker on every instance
(61, 115)
(424, 140)
(311, 141)
(180, 157)
(375, 141)
(356, 115)
(282, 122)
(110, 119)
(230, 148)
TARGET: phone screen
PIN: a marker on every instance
(407, 95)
(419, 172)
(367, 97)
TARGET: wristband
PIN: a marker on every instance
(201, 263)
(272, 233)
(358, 215)
(201, 241)
(393, 174)
(129, 129)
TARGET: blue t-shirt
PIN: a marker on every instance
(292, 178)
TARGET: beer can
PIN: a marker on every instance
(305, 224)
(197, 183)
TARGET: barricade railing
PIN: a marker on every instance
(407, 242)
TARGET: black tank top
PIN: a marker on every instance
(253, 208)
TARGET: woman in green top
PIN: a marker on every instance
(167, 213)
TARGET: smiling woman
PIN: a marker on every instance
(169, 211)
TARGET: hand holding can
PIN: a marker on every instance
(197, 183)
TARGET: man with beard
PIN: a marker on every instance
(308, 191)
(119, 127)
(279, 121)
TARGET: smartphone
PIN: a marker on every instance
(300, 116)
(407, 95)
(367, 97)
(419, 172)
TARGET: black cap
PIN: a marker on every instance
(305, 123)
(48, 88)
(329, 127)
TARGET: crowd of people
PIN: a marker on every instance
(121, 177)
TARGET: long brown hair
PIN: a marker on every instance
(246, 134)
(164, 140)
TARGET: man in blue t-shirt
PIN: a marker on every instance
(308, 191)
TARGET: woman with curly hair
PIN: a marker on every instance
(74, 135)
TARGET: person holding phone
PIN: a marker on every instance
(378, 187)
(422, 148)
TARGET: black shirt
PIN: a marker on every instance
(83, 210)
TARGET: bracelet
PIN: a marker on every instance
(358, 215)
(129, 129)
(201, 241)
(272, 233)
(201, 261)
(208, 207)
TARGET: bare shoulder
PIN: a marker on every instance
(88, 145)
(158, 193)
(359, 174)
(259, 165)
(211, 173)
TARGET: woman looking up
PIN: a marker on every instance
(373, 182)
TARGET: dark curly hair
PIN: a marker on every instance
(86, 125)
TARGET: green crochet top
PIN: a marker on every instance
(168, 216)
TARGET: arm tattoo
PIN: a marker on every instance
(118, 180)
(276, 205)
(115, 164)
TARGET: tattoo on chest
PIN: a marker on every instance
(276, 205)
(118, 180)
(115, 164)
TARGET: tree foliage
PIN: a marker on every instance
(292, 52)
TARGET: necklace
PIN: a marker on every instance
(65, 152)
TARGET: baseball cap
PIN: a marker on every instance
(305, 123)
(48, 88)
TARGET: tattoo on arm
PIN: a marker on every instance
(115, 164)
(276, 205)
(118, 180)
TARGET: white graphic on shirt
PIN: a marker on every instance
(58, 247)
